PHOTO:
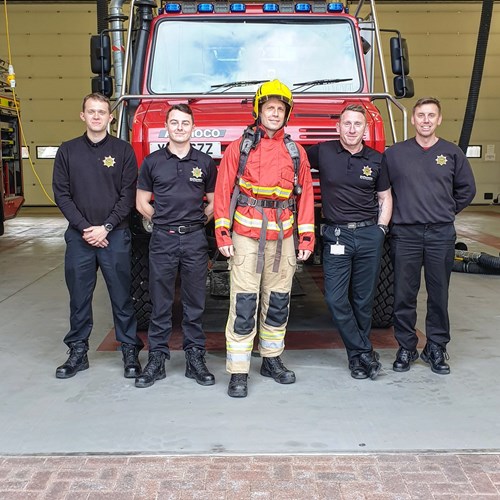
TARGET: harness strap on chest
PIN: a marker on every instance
(293, 151)
(249, 141)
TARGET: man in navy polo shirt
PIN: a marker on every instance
(432, 181)
(357, 206)
(94, 184)
(179, 177)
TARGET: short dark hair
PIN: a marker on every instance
(184, 108)
(354, 107)
(97, 97)
(427, 100)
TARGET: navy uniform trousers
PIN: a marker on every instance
(351, 281)
(169, 253)
(433, 247)
(80, 265)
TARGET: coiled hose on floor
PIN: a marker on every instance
(475, 262)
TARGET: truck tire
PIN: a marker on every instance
(383, 303)
(140, 281)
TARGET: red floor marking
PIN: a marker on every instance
(480, 237)
(216, 342)
(462, 225)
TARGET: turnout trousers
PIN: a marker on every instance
(249, 289)
(351, 281)
(433, 247)
(80, 268)
(170, 253)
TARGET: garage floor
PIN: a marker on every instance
(409, 435)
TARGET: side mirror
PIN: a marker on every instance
(102, 84)
(100, 64)
(403, 86)
(400, 60)
(100, 54)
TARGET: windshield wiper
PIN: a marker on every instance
(227, 86)
(313, 83)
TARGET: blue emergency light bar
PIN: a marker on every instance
(172, 8)
(270, 7)
(203, 8)
(239, 7)
(303, 7)
(335, 7)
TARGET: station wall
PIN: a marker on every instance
(50, 51)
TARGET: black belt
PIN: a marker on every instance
(353, 225)
(182, 229)
(244, 200)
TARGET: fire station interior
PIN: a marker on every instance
(326, 412)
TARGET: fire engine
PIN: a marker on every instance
(214, 55)
(11, 174)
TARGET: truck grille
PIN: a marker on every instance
(311, 135)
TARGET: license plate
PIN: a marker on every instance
(210, 148)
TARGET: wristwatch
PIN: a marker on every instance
(384, 228)
(108, 227)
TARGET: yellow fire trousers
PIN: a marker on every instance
(249, 290)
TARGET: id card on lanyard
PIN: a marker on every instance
(337, 248)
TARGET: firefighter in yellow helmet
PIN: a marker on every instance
(277, 90)
(263, 193)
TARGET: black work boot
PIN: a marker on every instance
(436, 357)
(131, 365)
(404, 358)
(274, 367)
(77, 361)
(370, 362)
(154, 370)
(238, 387)
(196, 367)
(357, 369)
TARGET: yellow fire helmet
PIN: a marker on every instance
(270, 89)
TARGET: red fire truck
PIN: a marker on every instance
(214, 55)
(11, 174)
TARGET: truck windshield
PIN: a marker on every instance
(191, 56)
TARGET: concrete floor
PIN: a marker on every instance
(326, 411)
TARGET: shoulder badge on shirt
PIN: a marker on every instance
(197, 175)
(109, 161)
(367, 173)
(441, 160)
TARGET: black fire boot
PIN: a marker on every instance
(154, 370)
(436, 357)
(274, 367)
(77, 361)
(196, 367)
(404, 358)
(238, 387)
(357, 369)
(131, 365)
(370, 362)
